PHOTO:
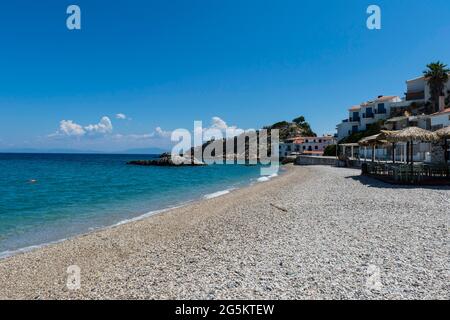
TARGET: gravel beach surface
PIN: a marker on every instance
(313, 233)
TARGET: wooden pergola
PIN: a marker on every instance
(348, 145)
(373, 142)
(410, 135)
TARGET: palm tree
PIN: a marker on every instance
(437, 75)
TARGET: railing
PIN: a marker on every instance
(418, 95)
(406, 173)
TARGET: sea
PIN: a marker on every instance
(46, 198)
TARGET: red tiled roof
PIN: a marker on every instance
(355, 108)
(385, 98)
(299, 140)
(312, 152)
(446, 110)
(379, 99)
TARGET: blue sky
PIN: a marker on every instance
(164, 64)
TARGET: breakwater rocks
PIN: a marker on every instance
(167, 160)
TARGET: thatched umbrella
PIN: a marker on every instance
(373, 141)
(444, 134)
(410, 135)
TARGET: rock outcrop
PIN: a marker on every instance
(167, 160)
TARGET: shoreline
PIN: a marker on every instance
(11, 253)
(311, 233)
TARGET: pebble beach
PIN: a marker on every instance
(314, 232)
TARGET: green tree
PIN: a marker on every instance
(299, 120)
(304, 126)
(330, 150)
(437, 76)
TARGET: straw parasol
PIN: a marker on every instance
(443, 133)
(376, 139)
(373, 141)
(410, 135)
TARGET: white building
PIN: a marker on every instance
(367, 113)
(440, 119)
(385, 107)
(418, 92)
(305, 145)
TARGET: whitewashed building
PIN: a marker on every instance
(360, 116)
(440, 119)
(419, 90)
(305, 146)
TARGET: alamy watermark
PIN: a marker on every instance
(227, 146)
(373, 280)
(73, 22)
(73, 278)
(374, 20)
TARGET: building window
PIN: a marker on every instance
(316, 147)
(304, 147)
(320, 140)
(381, 108)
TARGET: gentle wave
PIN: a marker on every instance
(217, 194)
(267, 178)
(146, 215)
(10, 253)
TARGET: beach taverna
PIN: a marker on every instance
(430, 169)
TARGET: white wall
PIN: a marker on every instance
(441, 119)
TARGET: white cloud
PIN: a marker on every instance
(158, 133)
(162, 133)
(219, 124)
(121, 116)
(103, 127)
(69, 128)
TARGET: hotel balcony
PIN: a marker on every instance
(417, 95)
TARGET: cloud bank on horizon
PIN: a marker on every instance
(78, 135)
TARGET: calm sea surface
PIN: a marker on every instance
(76, 193)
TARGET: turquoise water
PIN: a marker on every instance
(74, 194)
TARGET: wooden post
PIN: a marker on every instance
(446, 157)
(411, 146)
(393, 152)
(407, 152)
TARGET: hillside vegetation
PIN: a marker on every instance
(298, 127)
